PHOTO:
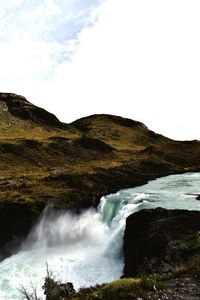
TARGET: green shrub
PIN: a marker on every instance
(127, 288)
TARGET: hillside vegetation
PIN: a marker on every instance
(72, 165)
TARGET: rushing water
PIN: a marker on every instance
(86, 249)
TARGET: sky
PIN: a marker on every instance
(138, 59)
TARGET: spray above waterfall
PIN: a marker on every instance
(65, 229)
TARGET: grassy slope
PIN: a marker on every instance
(38, 162)
(73, 165)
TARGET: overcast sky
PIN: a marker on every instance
(134, 58)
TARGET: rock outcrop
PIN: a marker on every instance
(157, 240)
(19, 107)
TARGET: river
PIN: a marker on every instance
(87, 249)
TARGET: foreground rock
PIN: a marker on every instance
(73, 165)
(185, 288)
(54, 290)
(156, 241)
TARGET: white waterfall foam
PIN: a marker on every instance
(66, 229)
(75, 247)
(86, 249)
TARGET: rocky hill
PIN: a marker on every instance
(73, 165)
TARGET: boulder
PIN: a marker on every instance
(156, 240)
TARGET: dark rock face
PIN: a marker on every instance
(155, 240)
(198, 197)
(12, 229)
(19, 107)
(93, 144)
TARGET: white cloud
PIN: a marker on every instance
(138, 59)
(34, 38)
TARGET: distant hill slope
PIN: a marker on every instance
(72, 165)
(17, 106)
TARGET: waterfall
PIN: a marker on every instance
(86, 249)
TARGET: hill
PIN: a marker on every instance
(73, 165)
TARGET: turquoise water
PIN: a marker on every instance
(86, 249)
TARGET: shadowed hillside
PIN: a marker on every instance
(72, 165)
